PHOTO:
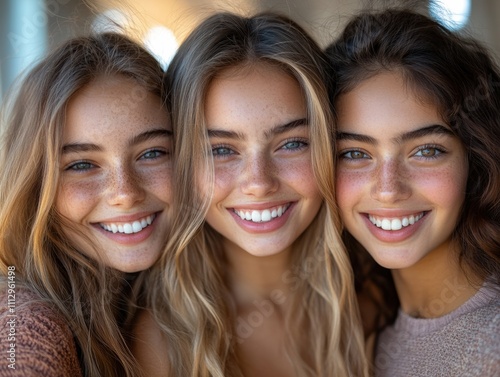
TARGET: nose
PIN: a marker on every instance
(125, 187)
(390, 183)
(259, 177)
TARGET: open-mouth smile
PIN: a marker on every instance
(129, 227)
(261, 216)
(395, 223)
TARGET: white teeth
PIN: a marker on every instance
(395, 223)
(129, 228)
(386, 224)
(256, 216)
(136, 226)
(266, 215)
(262, 216)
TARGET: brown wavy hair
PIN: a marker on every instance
(458, 75)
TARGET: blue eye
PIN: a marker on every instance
(152, 154)
(354, 155)
(222, 151)
(294, 144)
(80, 166)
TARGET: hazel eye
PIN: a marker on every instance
(429, 152)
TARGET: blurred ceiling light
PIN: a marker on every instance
(161, 42)
(453, 14)
(111, 20)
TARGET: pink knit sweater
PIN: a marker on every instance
(35, 339)
(465, 342)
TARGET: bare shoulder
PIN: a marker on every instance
(149, 346)
(36, 338)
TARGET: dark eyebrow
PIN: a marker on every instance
(356, 137)
(415, 134)
(429, 130)
(279, 129)
(89, 147)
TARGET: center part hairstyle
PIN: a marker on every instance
(31, 238)
(192, 304)
(456, 74)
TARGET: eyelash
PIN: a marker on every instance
(159, 153)
(343, 154)
(438, 151)
(436, 148)
(74, 166)
(221, 146)
(303, 143)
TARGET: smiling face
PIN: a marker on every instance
(401, 174)
(265, 193)
(115, 184)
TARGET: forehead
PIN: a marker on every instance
(385, 102)
(260, 95)
(111, 107)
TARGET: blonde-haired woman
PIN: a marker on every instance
(85, 192)
(261, 285)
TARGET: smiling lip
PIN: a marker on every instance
(130, 229)
(265, 215)
(391, 228)
(262, 218)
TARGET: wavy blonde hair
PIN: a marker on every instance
(187, 290)
(87, 294)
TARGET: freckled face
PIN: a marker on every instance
(265, 193)
(115, 183)
(401, 174)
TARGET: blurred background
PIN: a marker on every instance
(30, 28)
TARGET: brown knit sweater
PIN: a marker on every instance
(35, 339)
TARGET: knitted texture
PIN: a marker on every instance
(465, 342)
(35, 339)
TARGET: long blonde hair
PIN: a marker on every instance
(187, 290)
(86, 293)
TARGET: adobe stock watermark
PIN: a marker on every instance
(11, 323)
(30, 26)
(293, 278)
(389, 352)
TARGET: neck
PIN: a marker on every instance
(253, 279)
(435, 286)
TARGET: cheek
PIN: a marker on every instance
(225, 182)
(445, 187)
(349, 186)
(76, 199)
(298, 174)
(158, 182)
